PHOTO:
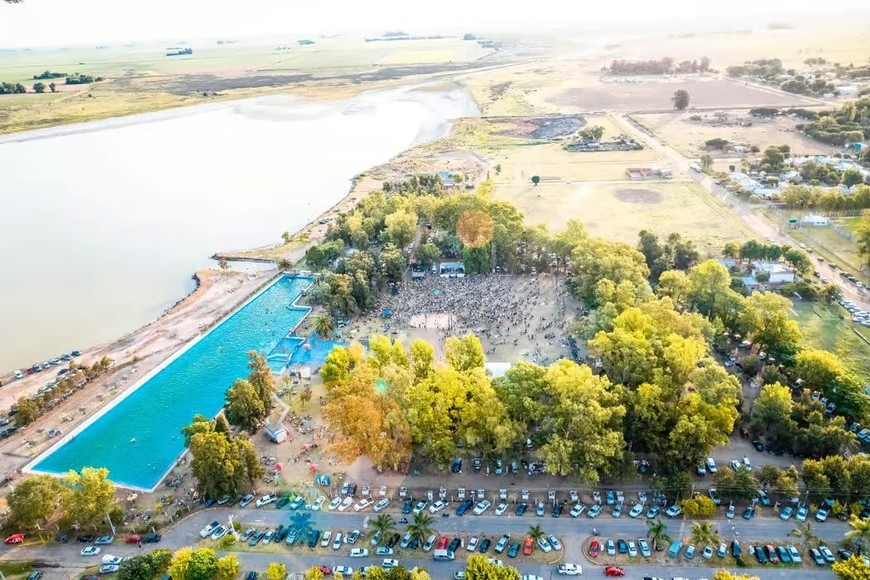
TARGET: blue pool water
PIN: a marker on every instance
(195, 382)
(314, 351)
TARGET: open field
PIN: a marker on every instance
(688, 137)
(140, 78)
(823, 328)
(850, 224)
(618, 211)
(826, 241)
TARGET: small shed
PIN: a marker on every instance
(814, 220)
(276, 432)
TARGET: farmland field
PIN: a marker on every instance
(823, 328)
(688, 137)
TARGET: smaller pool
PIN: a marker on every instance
(314, 351)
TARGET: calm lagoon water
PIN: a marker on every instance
(105, 222)
(139, 439)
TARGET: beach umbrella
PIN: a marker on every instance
(278, 467)
(312, 468)
(304, 447)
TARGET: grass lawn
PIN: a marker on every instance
(618, 211)
(823, 328)
(849, 223)
(16, 568)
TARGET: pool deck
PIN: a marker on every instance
(31, 466)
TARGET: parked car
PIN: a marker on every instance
(266, 500)
(104, 540)
(569, 570)
(614, 571)
(827, 554)
(802, 513)
(714, 495)
(673, 511)
(14, 539)
(785, 514)
(90, 551)
(644, 547)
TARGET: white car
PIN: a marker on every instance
(577, 510)
(437, 507)
(532, 577)
(333, 505)
(207, 531)
(569, 570)
(381, 505)
(109, 568)
(345, 503)
(219, 533)
(389, 563)
(90, 551)
(421, 505)
(324, 540)
(544, 545)
(336, 542)
(636, 510)
(318, 503)
(471, 546)
(362, 504)
(109, 559)
(482, 507)
(266, 500)
(343, 570)
(384, 551)
(359, 553)
(500, 508)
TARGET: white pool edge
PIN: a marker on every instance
(30, 467)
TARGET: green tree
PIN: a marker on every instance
(428, 254)
(261, 378)
(145, 566)
(704, 533)
(480, 568)
(858, 533)
(731, 249)
(852, 569)
(91, 496)
(681, 100)
(276, 571)
(52, 87)
(767, 320)
(536, 180)
(27, 411)
(324, 326)
(422, 358)
(222, 465)
(536, 532)
(394, 263)
(804, 532)
(190, 564)
(421, 527)
(675, 285)
(243, 406)
(657, 532)
(706, 161)
(38, 87)
(725, 575)
(314, 573)
(862, 237)
(850, 176)
(34, 500)
(384, 524)
(700, 506)
(400, 227)
(818, 369)
(229, 568)
(465, 353)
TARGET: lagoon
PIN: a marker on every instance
(105, 222)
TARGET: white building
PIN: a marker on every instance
(814, 220)
(778, 273)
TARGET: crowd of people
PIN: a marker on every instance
(521, 311)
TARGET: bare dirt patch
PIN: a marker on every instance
(638, 196)
(651, 94)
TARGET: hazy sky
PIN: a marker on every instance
(48, 22)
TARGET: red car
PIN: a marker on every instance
(134, 539)
(614, 571)
(15, 539)
(326, 570)
(594, 549)
(528, 547)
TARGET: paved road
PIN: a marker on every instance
(572, 532)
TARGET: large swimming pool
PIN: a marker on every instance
(139, 438)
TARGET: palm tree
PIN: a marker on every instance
(703, 533)
(301, 521)
(536, 532)
(657, 531)
(384, 525)
(858, 532)
(804, 531)
(324, 326)
(421, 528)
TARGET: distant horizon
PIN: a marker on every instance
(36, 24)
